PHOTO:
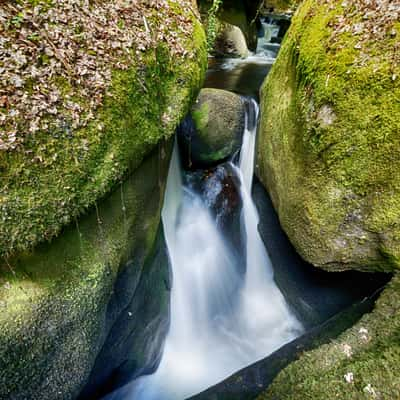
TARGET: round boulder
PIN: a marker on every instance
(230, 42)
(212, 132)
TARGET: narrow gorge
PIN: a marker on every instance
(199, 200)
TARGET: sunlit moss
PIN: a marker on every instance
(329, 144)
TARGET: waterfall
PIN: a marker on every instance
(266, 49)
(221, 318)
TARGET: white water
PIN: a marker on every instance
(221, 320)
(266, 51)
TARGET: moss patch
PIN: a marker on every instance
(54, 301)
(362, 363)
(328, 149)
(60, 173)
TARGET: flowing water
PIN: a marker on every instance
(221, 318)
(224, 315)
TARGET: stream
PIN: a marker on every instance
(229, 309)
(226, 309)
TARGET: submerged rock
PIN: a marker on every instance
(212, 132)
(220, 189)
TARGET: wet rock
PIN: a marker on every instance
(212, 132)
(220, 189)
(230, 42)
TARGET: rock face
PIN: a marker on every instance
(213, 130)
(328, 153)
(88, 173)
(230, 42)
(328, 149)
(75, 303)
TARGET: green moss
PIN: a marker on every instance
(370, 351)
(62, 172)
(54, 300)
(328, 148)
(200, 116)
(280, 5)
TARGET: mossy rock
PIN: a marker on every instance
(243, 14)
(361, 364)
(279, 5)
(329, 148)
(59, 304)
(213, 130)
(56, 176)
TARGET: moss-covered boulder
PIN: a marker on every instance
(90, 93)
(230, 42)
(362, 363)
(329, 148)
(60, 303)
(213, 130)
(82, 103)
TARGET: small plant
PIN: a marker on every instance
(212, 25)
(17, 20)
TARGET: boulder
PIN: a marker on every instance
(243, 14)
(94, 303)
(328, 148)
(328, 152)
(108, 109)
(212, 132)
(230, 42)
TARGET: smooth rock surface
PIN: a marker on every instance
(230, 42)
(212, 132)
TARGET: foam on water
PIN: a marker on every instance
(221, 319)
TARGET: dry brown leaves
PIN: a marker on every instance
(56, 61)
(371, 21)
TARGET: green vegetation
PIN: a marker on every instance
(54, 300)
(58, 173)
(362, 363)
(212, 24)
(328, 149)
